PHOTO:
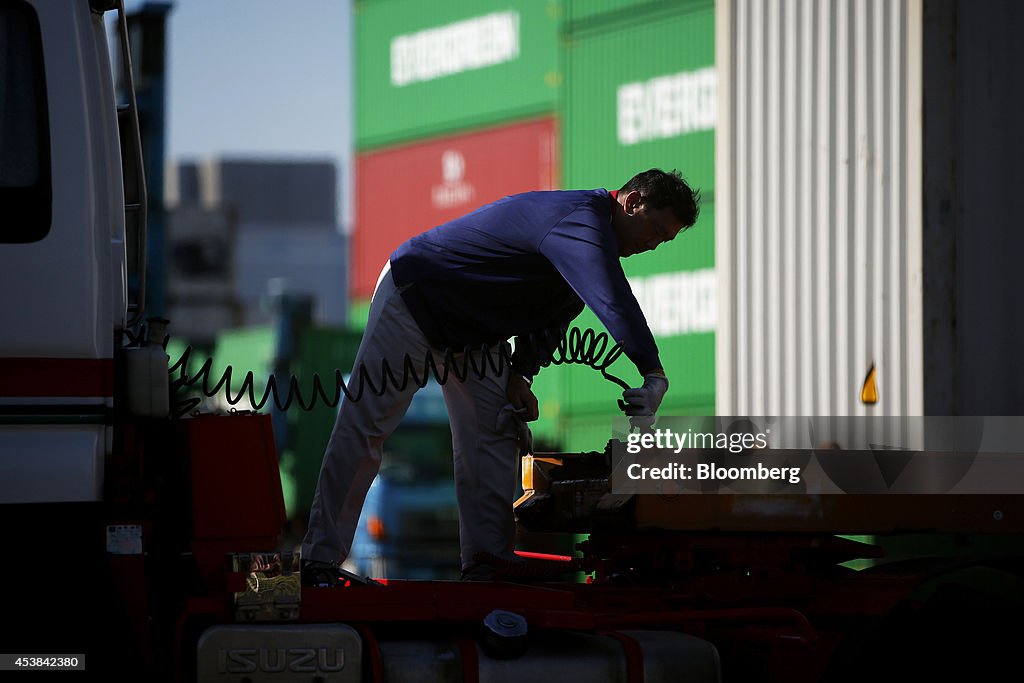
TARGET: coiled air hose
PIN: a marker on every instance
(576, 347)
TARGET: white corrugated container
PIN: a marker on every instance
(819, 195)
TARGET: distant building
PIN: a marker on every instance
(201, 295)
(242, 229)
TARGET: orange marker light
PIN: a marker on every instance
(869, 392)
(375, 527)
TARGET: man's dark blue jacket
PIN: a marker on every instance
(523, 267)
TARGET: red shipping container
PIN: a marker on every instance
(403, 191)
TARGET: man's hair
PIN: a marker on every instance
(667, 190)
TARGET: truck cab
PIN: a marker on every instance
(72, 238)
(62, 249)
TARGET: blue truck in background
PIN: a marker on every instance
(409, 528)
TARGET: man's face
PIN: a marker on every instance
(639, 228)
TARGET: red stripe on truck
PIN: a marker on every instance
(56, 377)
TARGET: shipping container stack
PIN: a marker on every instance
(640, 92)
(463, 102)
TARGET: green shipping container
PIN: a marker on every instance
(426, 68)
(590, 14)
(642, 94)
(321, 352)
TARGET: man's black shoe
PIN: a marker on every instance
(317, 574)
(480, 572)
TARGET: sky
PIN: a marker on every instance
(260, 78)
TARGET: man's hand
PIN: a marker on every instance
(647, 399)
(521, 397)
